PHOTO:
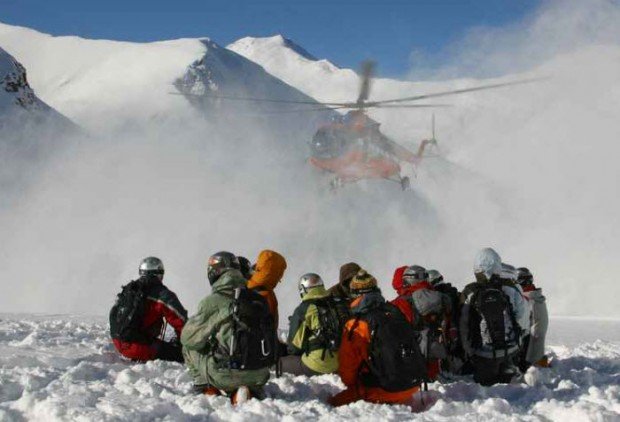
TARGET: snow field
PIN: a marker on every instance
(55, 368)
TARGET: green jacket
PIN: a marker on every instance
(211, 325)
(304, 323)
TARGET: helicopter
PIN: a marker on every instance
(351, 146)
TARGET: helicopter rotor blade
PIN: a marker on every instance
(410, 106)
(261, 100)
(298, 110)
(367, 72)
(453, 92)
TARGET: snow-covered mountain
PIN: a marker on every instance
(19, 106)
(131, 83)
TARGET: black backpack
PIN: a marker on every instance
(395, 362)
(254, 342)
(491, 307)
(127, 314)
(333, 313)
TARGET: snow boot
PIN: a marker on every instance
(543, 362)
(241, 396)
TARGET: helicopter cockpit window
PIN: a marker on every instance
(327, 143)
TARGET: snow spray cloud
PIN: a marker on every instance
(171, 191)
(182, 188)
(550, 149)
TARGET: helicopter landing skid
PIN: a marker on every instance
(337, 183)
(404, 182)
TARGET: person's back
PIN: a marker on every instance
(268, 272)
(315, 330)
(493, 317)
(533, 352)
(454, 362)
(380, 360)
(209, 336)
(429, 313)
(143, 307)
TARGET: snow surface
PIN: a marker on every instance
(530, 170)
(58, 367)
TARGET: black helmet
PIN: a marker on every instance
(151, 266)
(524, 276)
(245, 266)
(219, 263)
(414, 274)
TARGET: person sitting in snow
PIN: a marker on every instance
(265, 276)
(315, 330)
(137, 319)
(380, 360)
(533, 350)
(429, 312)
(229, 344)
(493, 317)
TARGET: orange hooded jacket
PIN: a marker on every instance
(270, 267)
(352, 354)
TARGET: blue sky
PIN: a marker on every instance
(344, 32)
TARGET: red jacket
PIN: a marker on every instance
(162, 305)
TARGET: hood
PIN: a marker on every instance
(316, 293)
(228, 282)
(488, 262)
(270, 268)
(397, 280)
(347, 272)
(367, 302)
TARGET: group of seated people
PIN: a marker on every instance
(383, 351)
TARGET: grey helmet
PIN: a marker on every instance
(151, 266)
(435, 277)
(509, 272)
(414, 274)
(309, 281)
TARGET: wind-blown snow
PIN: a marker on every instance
(530, 170)
(56, 368)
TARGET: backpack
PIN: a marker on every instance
(253, 343)
(492, 319)
(429, 308)
(127, 314)
(395, 362)
(333, 313)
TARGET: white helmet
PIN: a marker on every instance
(307, 282)
(151, 266)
